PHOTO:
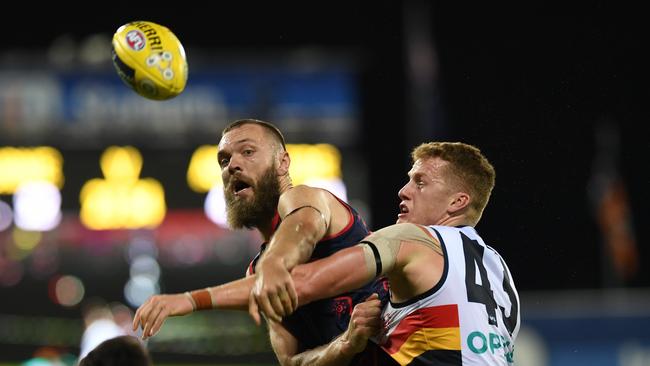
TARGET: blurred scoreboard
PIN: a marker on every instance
(92, 109)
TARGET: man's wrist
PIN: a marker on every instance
(346, 346)
(191, 299)
(201, 299)
(272, 259)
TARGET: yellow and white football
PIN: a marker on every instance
(150, 59)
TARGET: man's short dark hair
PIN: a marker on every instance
(118, 351)
(268, 126)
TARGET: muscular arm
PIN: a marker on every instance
(230, 296)
(406, 253)
(320, 279)
(341, 272)
(344, 271)
(306, 214)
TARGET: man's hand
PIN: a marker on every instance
(365, 322)
(152, 314)
(274, 293)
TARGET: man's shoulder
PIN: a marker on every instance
(307, 193)
(302, 189)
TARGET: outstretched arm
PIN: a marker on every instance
(341, 272)
(405, 253)
(316, 280)
(230, 296)
(324, 278)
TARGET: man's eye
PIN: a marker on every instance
(248, 152)
(223, 162)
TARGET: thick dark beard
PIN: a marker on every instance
(260, 211)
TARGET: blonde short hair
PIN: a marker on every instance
(467, 168)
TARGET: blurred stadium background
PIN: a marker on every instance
(107, 198)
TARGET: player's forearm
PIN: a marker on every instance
(229, 296)
(341, 272)
(316, 280)
(232, 295)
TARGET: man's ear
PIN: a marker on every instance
(283, 163)
(459, 201)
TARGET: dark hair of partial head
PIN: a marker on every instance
(468, 167)
(118, 351)
(275, 132)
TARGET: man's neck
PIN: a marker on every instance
(285, 184)
(460, 220)
(268, 228)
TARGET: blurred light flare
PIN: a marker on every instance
(122, 200)
(145, 266)
(37, 206)
(6, 216)
(141, 246)
(204, 172)
(66, 290)
(319, 161)
(20, 165)
(139, 288)
(215, 206)
(26, 240)
(121, 164)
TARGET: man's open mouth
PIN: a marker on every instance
(239, 186)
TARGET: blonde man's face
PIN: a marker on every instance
(427, 195)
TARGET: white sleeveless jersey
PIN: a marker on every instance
(471, 317)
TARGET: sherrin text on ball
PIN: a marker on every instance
(150, 59)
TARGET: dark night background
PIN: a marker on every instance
(528, 86)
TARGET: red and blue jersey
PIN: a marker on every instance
(319, 322)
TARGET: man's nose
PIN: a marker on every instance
(404, 193)
(234, 165)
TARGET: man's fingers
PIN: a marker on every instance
(372, 296)
(275, 310)
(254, 310)
(293, 296)
(267, 308)
(157, 324)
(136, 319)
(140, 317)
(287, 303)
(366, 316)
(143, 312)
(146, 333)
